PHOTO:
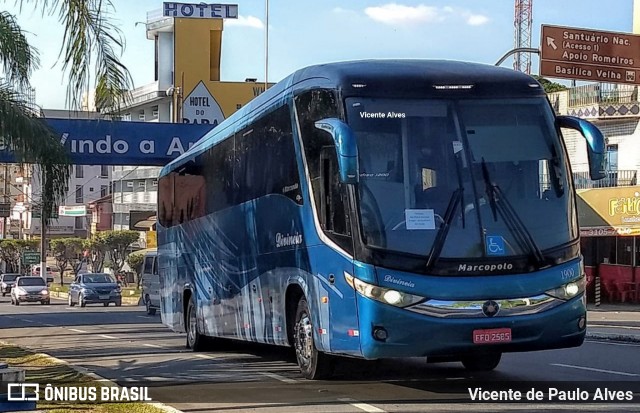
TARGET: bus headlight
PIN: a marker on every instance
(384, 295)
(569, 290)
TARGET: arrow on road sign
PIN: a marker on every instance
(552, 42)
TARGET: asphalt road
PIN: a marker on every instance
(125, 345)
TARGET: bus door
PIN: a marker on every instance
(334, 219)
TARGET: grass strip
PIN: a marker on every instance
(42, 369)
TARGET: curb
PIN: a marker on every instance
(96, 377)
(613, 337)
(125, 300)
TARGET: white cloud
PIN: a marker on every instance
(477, 19)
(394, 14)
(245, 21)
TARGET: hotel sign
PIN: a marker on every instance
(200, 10)
(572, 53)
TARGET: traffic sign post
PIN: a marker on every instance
(30, 257)
(584, 54)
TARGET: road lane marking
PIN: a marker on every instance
(621, 373)
(152, 345)
(27, 321)
(279, 377)
(606, 343)
(109, 337)
(362, 406)
(612, 326)
(49, 325)
(205, 356)
(77, 331)
(143, 316)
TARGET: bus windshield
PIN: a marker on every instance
(481, 177)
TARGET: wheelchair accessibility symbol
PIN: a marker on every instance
(494, 245)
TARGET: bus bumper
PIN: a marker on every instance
(409, 334)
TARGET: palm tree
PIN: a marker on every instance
(90, 42)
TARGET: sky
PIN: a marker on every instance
(304, 32)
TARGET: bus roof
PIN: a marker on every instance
(388, 78)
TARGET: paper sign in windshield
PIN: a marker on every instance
(420, 219)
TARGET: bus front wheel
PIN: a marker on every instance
(482, 362)
(314, 364)
(195, 340)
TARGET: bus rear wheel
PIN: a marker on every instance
(314, 364)
(195, 340)
(482, 362)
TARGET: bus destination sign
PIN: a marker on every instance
(584, 54)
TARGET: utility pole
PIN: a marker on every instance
(266, 46)
(44, 215)
(6, 200)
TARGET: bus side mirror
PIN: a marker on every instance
(346, 148)
(595, 143)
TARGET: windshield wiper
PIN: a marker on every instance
(438, 243)
(500, 205)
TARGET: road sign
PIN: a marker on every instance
(30, 257)
(572, 53)
(5, 210)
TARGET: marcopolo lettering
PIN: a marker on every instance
(485, 267)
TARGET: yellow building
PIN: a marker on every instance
(187, 88)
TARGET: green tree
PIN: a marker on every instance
(549, 86)
(66, 251)
(11, 253)
(90, 50)
(96, 248)
(118, 244)
(135, 261)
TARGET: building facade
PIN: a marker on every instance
(87, 184)
(608, 209)
(187, 89)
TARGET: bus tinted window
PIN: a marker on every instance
(319, 149)
(258, 161)
(266, 159)
(217, 165)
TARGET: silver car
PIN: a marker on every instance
(30, 289)
(7, 281)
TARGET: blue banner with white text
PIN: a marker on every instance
(105, 142)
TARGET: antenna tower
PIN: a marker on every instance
(523, 21)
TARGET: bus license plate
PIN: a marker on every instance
(491, 336)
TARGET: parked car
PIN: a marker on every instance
(7, 281)
(95, 288)
(30, 289)
(50, 273)
(150, 282)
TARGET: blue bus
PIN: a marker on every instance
(380, 209)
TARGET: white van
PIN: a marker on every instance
(150, 282)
